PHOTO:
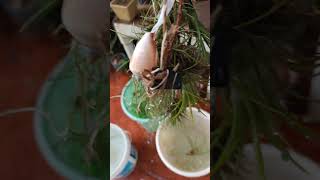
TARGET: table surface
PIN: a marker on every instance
(149, 166)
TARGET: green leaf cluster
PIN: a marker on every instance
(189, 52)
(266, 34)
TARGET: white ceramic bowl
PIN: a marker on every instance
(198, 117)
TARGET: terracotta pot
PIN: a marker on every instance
(125, 12)
(87, 21)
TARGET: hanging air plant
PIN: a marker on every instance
(172, 78)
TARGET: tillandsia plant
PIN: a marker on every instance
(170, 65)
(260, 36)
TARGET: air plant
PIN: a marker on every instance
(260, 36)
(170, 80)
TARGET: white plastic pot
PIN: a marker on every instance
(123, 155)
(199, 125)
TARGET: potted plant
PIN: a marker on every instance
(125, 10)
(259, 39)
(166, 90)
(69, 118)
(70, 115)
(187, 63)
(84, 153)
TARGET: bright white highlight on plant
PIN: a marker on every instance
(144, 56)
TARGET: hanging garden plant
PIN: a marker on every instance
(169, 64)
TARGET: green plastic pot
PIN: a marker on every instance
(56, 100)
(127, 93)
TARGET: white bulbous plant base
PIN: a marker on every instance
(275, 167)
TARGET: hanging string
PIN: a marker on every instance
(166, 9)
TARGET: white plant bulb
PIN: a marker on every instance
(145, 55)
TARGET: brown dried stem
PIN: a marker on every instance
(169, 38)
(166, 48)
(164, 30)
